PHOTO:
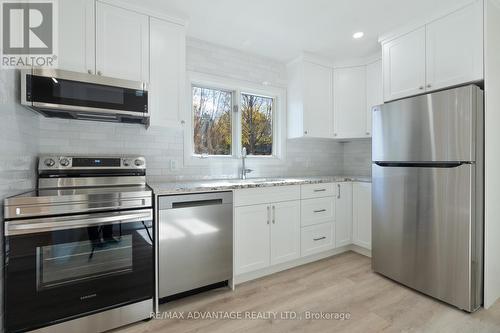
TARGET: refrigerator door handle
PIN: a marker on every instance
(421, 164)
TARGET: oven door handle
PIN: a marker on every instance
(21, 227)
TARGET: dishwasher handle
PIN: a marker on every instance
(194, 200)
(185, 204)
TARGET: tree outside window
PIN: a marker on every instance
(257, 124)
(212, 121)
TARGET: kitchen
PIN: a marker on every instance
(256, 178)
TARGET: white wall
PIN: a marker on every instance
(18, 149)
(18, 138)
(160, 145)
(492, 153)
(358, 158)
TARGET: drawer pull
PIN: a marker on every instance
(318, 239)
(320, 190)
(320, 211)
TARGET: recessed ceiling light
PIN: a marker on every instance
(358, 35)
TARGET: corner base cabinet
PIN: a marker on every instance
(362, 215)
(343, 214)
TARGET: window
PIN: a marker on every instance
(228, 115)
(212, 122)
(257, 124)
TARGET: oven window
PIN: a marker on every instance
(72, 262)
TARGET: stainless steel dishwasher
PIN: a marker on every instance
(195, 243)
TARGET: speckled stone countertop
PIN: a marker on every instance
(166, 188)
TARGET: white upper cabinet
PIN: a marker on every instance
(455, 48)
(374, 91)
(122, 43)
(168, 68)
(446, 52)
(404, 65)
(76, 36)
(310, 100)
(349, 112)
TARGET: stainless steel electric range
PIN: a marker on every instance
(79, 250)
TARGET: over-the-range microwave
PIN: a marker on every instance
(72, 95)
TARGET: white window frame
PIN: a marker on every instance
(237, 87)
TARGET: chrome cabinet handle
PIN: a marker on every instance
(318, 239)
(89, 71)
(421, 87)
(99, 73)
(274, 214)
(268, 214)
(338, 191)
(319, 210)
(429, 85)
(320, 190)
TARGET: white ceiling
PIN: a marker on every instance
(281, 29)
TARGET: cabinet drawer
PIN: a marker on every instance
(263, 195)
(309, 191)
(316, 238)
(316, 211)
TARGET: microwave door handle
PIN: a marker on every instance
(65, 223)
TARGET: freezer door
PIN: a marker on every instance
(425, 233)
(434, 127)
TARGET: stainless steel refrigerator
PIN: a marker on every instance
(428, 181)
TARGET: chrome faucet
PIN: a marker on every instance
(244, 169)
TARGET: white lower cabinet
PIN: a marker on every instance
(362, 214)
(304, 220)
(266, 234)
(285, 231)
(343, 214)
(316, 238)
(252, 235)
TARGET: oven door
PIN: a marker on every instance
(62, 268)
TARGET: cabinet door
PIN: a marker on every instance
(76, 36)
(404, 65)
(362, 214)
(343, 214)
(349, 86)
(122, 43)
(168, 53)
(455, 48)
(318, 109)
(285, 231)
(374, 91)
(252, 230)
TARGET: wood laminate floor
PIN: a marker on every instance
(340, 284)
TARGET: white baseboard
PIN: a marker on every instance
(361, 250)
(298, 262)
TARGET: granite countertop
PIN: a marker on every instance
(170, 187)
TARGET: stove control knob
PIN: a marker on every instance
(126, 163)
(138, 162)
(64, 162)
(49, 162)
